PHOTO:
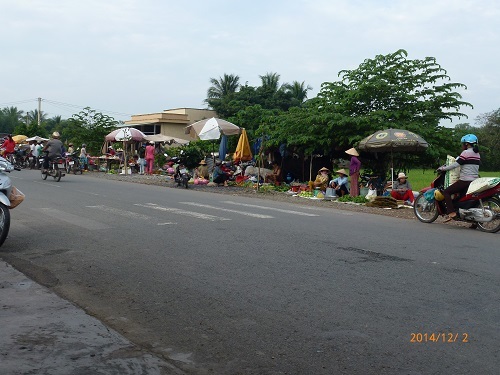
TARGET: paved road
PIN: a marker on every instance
(231, 285)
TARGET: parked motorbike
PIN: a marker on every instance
(73, 163)
(481, 207)
(56, 166)
(10, 197)
(21, 159)
(182, 177)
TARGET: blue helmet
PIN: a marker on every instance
(469, 138)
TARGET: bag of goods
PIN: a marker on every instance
(482, 184)
(451, 176)
(16, 197)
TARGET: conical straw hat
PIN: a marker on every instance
(352, 151)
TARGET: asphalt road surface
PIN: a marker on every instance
(221, 284)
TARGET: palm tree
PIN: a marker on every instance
(223, 87)
(10, 117)
(298, 90)
(33, 116)
(270, 82)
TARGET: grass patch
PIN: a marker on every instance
(420, 178)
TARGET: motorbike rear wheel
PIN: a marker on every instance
(424, 210)
(57, 175)
(492, 204)
(4, 223)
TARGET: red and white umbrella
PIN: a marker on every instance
(125, 135)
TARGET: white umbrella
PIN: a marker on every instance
(166, 138)
(212, 128)
(36, 138)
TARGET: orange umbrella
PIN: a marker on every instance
(243, 151)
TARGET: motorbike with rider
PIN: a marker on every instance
(53, 150)
(470, 199)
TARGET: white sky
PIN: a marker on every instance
(144, 56)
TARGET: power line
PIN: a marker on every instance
(18, 102)
(83, 107)
(66, 106)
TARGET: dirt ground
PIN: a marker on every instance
(160, 180)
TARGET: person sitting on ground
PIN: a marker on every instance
(202, 170)
(340, 183)
(401, 190)
(227, 168)
(219, 176)
(275, 176)
(321, 181)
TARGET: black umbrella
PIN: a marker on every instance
(393, 140)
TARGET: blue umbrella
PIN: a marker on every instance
(223, 147)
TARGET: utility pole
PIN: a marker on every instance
(39, 111)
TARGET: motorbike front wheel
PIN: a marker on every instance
(493, 205)
(424, 210)
(4, 223)
(44, 175)
(185, 182)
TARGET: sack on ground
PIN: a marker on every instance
(372, 193)
(16, 197)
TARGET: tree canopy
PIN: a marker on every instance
(89, 127)
(388, 91)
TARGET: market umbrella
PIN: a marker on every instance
(393, 140)
(36, 138)
(243, 151)
(212, 128)
(166, 138)
(223, 147)
(19, 138)
(125, 135)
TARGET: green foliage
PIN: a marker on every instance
(348, 198)
(389, 91)
(160, 159)
(384, 92)
(228, 99)
(192, 153)
(489, 139)
(89, 127)
(10, 118)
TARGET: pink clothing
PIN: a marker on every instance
(150, 158)
(150, 152)
(149, 166)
